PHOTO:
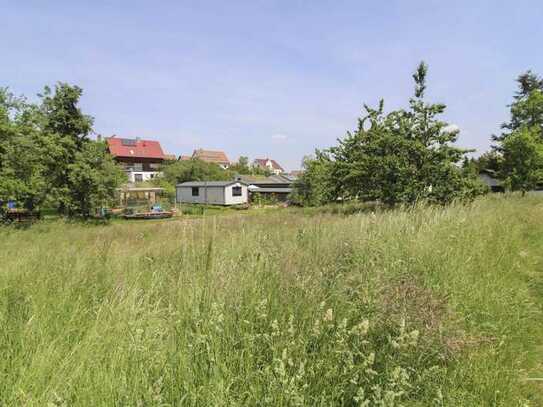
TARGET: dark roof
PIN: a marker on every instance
(123, 147)
(209, 156)
(254, 188)
(209, 183)
(261, 180)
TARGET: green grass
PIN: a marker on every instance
(430, 306)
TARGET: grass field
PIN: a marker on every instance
(421, 307)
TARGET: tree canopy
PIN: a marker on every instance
(47, 157)
(520, 146)
(404, 156)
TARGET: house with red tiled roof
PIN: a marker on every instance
(269, 165)
(217, 157)
(141, 159)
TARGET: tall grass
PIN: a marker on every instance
(430, 306)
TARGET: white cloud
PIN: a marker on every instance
(279, 137)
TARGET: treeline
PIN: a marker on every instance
(47, 158)
(408, 155)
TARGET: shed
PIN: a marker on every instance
(276, 187)
(213, 192)
(490, 178)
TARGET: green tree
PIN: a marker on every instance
(241, 167)
(23, 176)
(520, 144)
(315, 186)
(400, 157)
(527, 107)
(194, 170)
(47, 158)
(522, 166)
(94, 177)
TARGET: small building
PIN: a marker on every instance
(490, 178)
(274, 188)
(213, 192)
(268, 165)
(141, 159)
(216, 157)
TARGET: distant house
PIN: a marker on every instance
(276, 187)
(170, 157)
(217, 157)
(213, 192)
(141, 159)
(184, 157)
(269, 165)
(490, 178)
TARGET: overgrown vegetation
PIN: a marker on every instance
(419, 307)
(405, 156)
(47, 158)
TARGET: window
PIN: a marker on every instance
(236, 191)
(138, 166)
(195, 191)
(138, 177)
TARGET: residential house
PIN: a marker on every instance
(217, 157)
(269, 165)
(141, 159)
(213, 192)
(274, 187)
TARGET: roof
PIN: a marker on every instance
(123, 147)
(262, 162)
(260, 180)
(218, 157)
(254, 188)
(140, 189)
(210, 183)
(170, 157)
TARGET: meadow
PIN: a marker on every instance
(426, 306)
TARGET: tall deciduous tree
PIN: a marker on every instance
(401, 157)
(47, 158)
(522, 166)
(521, 143)
(94, 176)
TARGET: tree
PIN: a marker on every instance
(47, 158)
(94, 177)
(194, 170)
(520, 146)
(23, 177)
(490, 160)
(527, 107)
(315, 186)
(400, 157)
(522, 166)
(241, 167)
(65, 130)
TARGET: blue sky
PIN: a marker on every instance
(269, 78)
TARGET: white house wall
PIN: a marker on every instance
(216, 195)
(236, 200)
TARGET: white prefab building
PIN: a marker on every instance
(213, 192)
